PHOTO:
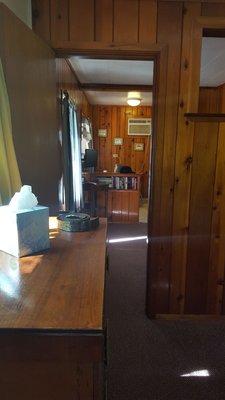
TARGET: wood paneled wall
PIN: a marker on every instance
(29, 67)
(95, 20)
(180, 165)
(204, 290)
(115, 120)
(66, 80)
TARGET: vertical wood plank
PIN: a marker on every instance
(41, 18)
(114, 133)
(169, 30)
(216, 293)
(108, 147)
(213, 9)
(199, 233)
(126, 21)
(104, 20)
(217, 249)
(59, 21)
(209, 100)
(147, 21)
(81, 20)
(95, 128)
(161, 65)
(102, 140)
(183, 161)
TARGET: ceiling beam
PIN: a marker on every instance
(106, 87)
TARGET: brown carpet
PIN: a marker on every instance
(147, 358)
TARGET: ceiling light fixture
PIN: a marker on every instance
(134, 99)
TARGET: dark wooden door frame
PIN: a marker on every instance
(159, 54)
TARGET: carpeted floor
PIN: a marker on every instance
(147, 358)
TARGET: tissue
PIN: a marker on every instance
(24, 199)
(24, 226)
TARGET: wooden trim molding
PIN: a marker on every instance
(115, 87)
(205, 117)
(108, 50)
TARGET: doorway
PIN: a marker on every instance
(120, 94)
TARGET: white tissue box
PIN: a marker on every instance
(24, 232)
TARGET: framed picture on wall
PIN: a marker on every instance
(102, 133)
(118, 141)
(139, 146)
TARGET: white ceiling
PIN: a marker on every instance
(141, 73)
(113, 71)
(115, 98)
(212, 62)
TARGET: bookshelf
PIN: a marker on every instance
(123, 196)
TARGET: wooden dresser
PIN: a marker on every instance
(52, 337)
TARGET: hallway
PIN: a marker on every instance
(148, 358)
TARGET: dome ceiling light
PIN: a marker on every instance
(133, 99)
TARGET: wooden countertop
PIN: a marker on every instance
(60, 289)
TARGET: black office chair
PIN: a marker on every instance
(90, 198)
(90, 190)
(124, 169)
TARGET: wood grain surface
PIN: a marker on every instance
(62, 288)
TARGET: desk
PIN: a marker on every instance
(51, 319)
(123, 196)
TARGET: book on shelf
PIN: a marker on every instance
(119, 182)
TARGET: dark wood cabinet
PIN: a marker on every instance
(52, 330)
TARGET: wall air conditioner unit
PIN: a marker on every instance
(139, 126)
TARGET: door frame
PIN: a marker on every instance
(158, 53)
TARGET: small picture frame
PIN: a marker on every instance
(102, 133)
(139, 146)
(118, 141)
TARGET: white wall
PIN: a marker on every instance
(22, 8)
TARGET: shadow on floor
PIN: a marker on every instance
(148, 358)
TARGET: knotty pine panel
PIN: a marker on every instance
(81, 20)
(147, 21)
(104, 20)
(41, 18)
(183, 164)
(169, 20)
(199, 231)
(215, 292)
(115, 120)
(66, 80)
(59, 21)
(125, 21)
(209, 100)
(147, 26)
(213, 9)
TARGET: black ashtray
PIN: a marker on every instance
(76, 222)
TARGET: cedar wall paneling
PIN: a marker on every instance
(187, 215)
(125, 21)
(67, 81)
(169, 20)
(115, 120)
(183, 162)
(29, 66)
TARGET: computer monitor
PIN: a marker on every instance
(90, 158)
